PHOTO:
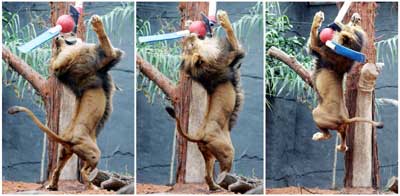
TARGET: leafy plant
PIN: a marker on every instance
(386, 51)
(117, 21)
(165, 56)
(279, 77)
(15, 35)
(247, 24)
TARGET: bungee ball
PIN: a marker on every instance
(326, 34)
(198, 27)
(66, 22)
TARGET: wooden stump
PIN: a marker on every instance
(98, 176)
(239, 184)
(113, 184)
(128, 189)
(109, 181)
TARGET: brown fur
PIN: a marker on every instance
(215, 64)
(82, 67)
(331, 112)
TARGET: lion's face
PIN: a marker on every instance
(352, 35)
(200, 56)
(66, 44)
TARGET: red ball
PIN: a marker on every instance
(326, 34)
(198, 27)
(67, 23)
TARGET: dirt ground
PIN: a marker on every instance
(64, 187)
(176, 189)
(303, 190)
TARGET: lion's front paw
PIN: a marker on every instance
(96, 22)
(318, 19)
(223, 18)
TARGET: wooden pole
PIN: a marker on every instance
(60, 106)
(191, 166)
(367, 13)
(362, 148)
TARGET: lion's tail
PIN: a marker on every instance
(16, 109)
(196, 139)
(378, 125)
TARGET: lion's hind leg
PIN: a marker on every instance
(65, 155)
(342, 147)
(209, 160)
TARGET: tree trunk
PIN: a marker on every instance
(367, 13)
(60, 103)
(191, 109)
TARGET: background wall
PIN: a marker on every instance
(155, 128)
(292, 158)
(22, 140)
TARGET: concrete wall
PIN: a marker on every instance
(292, 158)
(155, 128)
(22, 140)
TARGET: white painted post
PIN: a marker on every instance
(362, 149)
(195, 170)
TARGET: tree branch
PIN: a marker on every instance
(34, 78)
(292, 63)
(157, 77)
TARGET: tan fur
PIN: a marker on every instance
(331, 112)
(83, 68)
(213, 63)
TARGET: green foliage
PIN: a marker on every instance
(165, 56)
(386, 51)
(118, 21)
(15, 35)
(279, 77)
(247, 24)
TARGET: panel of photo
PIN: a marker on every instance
(200, 97)
(331, 77)
(68, 72)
